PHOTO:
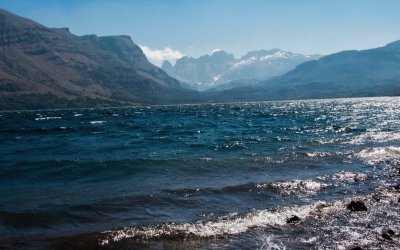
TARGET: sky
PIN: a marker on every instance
(170, 29)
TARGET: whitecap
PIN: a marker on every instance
(374, 136)
(97, 122)
(47, 118)
(318, 154)
(295, 186)
(349, 176)
(269, 243)
(227, 225)
(373, 156)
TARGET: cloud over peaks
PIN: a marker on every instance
(157, 56)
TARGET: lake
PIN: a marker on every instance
(262, 175)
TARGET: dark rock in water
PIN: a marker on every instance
(355, 248)
(397, 187)
(293, 219)
(386, 236)
(391, 232)
(357, 206)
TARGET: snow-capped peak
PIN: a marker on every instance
(245, 61)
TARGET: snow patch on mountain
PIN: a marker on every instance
(220, 67)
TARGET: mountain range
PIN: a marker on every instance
(210, 71)
(365, 73)
(44, 67)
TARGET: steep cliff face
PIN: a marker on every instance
(201, 72)
(39, 64)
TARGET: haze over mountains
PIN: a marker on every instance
(209, 71)
(52, 68)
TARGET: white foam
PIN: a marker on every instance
(349, 176)
(295, 186)
(337, 228)
(375, 136)
(373, 156)
(269, 243)
(318, 154)
(341, 229)
(227, 225)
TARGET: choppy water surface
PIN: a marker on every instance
(222, 176)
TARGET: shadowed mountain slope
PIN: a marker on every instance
(52, 68)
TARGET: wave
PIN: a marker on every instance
(294, 186)
(330, 224)
(344, 176)
(47, 118)
(374, 137)
(41, 130)
(97, 122)
(227, 225)
(378, 155)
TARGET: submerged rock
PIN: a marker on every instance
(357, 206)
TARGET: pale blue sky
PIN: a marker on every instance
(196, 27)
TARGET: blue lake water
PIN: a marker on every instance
(211, 176)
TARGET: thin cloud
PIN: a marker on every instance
(157, 56)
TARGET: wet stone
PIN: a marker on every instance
(293, 219)
(355, 248)
(386, 236)
(357, 206)
(391, 232)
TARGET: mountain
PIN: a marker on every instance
(167, 67)
(264, 64)
(42, 67)
(373, 72)
(52, 68)
(201, 72)
(208, 72)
